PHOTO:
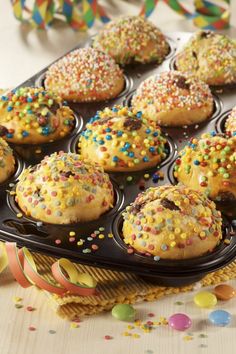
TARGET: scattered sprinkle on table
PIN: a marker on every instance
(178, 303)
(74, 325)
(203, 346)
(187, 338)
(151, 314)
(107, 337)
(32, 328)
(30, 308)
(18, 306)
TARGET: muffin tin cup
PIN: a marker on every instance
(185, 266)
(127, 87)
(34, 153)
(216, 88)
(216, 111)
(135, 65)
(227, 207)
(111, 252)
(19, 167)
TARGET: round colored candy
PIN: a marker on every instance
(179, 321)
(123, 312)
(224, 292)
(220, 317)
(205, 299)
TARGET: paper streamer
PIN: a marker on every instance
(81, 14)
(24, 270)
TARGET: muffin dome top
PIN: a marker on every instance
(34, 115)
(121, 140)
(172, 222)
(85, 74)
(64, 189)
(208, 163)
(211, 57)
(132, 39)
(171, 90)
(7, 161)
(230, 124)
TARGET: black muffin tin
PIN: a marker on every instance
(112, 252)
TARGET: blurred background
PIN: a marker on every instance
(24, 50)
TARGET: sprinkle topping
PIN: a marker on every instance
(64, 189)
(211, 57)
(132, 39)
(118, 139)
(171, 90)
(230, 124)
(209, 164)
(167, 220)
(7, 161)
(33, 115)
(85, 74)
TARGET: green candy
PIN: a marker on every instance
(123, 312)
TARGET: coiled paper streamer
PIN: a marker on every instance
(81, 14)
(65, 273)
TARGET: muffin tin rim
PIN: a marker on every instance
(83, 257)
(172, 264)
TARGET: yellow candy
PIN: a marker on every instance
(205, 299)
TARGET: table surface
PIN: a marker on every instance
(24, 52)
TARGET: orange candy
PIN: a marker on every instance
(224, 292)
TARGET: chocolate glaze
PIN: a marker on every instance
(168, 204)
(54, 107)
(132, 124)
(182, 83)
(226, 196)
(3, 130)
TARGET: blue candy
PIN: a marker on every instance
(220, 318)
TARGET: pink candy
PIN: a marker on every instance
(180, 322)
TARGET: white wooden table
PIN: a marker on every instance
(24, 52)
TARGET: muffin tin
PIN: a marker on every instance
(112, 253)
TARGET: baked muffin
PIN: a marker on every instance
(85, 75)
(173, 99)
(31, 115)
(131, 39)
(62, 189)
(230, 124)
(119, 140)
(172, 222)
(208, 165)
(7, 161)
(211, 57)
